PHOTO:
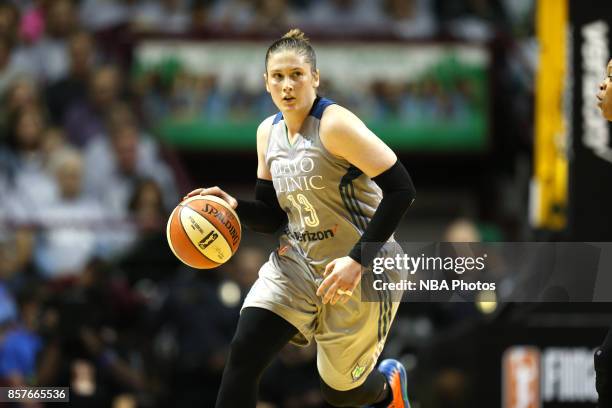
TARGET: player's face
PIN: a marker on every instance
(604, 96)
(290, 81)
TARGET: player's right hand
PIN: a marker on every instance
(216, 191)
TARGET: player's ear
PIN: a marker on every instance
(265, 76)
(315, 78)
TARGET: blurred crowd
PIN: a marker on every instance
(90, 295)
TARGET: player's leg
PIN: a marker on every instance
(350, 338)
(603, 370)
(259, 337)
(375, 391)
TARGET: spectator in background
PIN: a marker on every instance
(115, 165)
(99, 15)
(169, 16)
(54, 140)
(9, 70)
(194, 372)
(85, 119)
(200, 15)
(21, 93)
(472, 20)
(411, 18)
(233, 14)
(388, 96)
(149, 258)
(16, 248)
(19, 345)
(32, 24)
(16, 238)
(48, 57)
(243, 269)
(345, 15)
(30, 187)
(270, 15)
(92, 312)
(72, 88)
(9, 20)
(72, 227)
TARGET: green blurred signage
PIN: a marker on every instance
(422, 98)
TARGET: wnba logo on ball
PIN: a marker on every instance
(208, 239)
(521, 377)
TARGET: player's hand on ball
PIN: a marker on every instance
(216, 191)
(341, 275)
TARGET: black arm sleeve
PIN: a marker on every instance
(398, 194)
(264, 214)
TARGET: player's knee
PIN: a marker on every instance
(337, 398)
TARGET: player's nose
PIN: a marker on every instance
(602, 86)
(287, 84)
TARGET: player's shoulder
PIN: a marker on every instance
(338, 119)
(264, 128)
(338, 127)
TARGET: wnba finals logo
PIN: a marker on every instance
(293, 175)
(521, 377)
(556, 375)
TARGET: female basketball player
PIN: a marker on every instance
(334, 185)
(603, 355)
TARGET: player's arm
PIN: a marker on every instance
(263, 214)
(346, 136)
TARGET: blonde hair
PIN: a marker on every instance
(296, 34)
(295, 40)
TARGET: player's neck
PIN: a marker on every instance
(294, 122)
(295, 118)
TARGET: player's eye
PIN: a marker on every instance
(277, 76)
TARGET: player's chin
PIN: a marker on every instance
(288, 106)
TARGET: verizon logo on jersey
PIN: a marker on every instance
(309, 236)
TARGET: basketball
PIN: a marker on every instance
(203, 231)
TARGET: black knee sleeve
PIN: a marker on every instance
(259, 336)
(337, 398)
(366, 394)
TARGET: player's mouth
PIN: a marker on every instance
(288, 99)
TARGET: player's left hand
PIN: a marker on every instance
(341, 273)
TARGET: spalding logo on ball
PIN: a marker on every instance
(203, 231)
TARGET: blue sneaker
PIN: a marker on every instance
(398, 380)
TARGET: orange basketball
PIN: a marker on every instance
(203, 231)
